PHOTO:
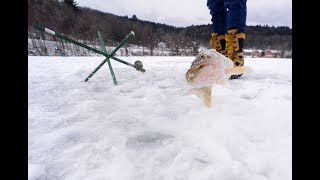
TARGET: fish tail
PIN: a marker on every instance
(204, 93)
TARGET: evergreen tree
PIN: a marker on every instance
(72, 4)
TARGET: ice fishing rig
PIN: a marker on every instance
(137, 65)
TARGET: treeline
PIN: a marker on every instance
(66, 17)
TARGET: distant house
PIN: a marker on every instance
(247, 52)
(252, 52)
(256, 53)
(265, 53)
(268, 53)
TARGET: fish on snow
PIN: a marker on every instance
(210, 68)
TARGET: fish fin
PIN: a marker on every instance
(204, 93)
(239, 70)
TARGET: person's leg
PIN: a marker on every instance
(219, 25)
(236, 24)
(236, 14)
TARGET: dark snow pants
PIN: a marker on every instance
(228, 14)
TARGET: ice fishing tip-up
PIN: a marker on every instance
(137, 65)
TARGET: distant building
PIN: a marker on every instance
(268, 53)
(252, 52)
(261, 53)
(247, 52)
(256, 53)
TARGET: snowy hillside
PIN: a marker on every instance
(149, 128)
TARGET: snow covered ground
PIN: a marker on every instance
(149, 128)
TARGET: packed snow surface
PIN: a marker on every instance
(149, 127)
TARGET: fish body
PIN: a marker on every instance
(210, 68)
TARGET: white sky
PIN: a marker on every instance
(192, 12)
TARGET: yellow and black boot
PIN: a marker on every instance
(218, 42)
(234, 48)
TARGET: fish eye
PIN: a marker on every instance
(203, 56)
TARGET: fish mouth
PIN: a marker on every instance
(194, 72)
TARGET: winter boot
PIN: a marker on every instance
(234, 48)
(218, 42)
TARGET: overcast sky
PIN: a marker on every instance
(182, 13)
